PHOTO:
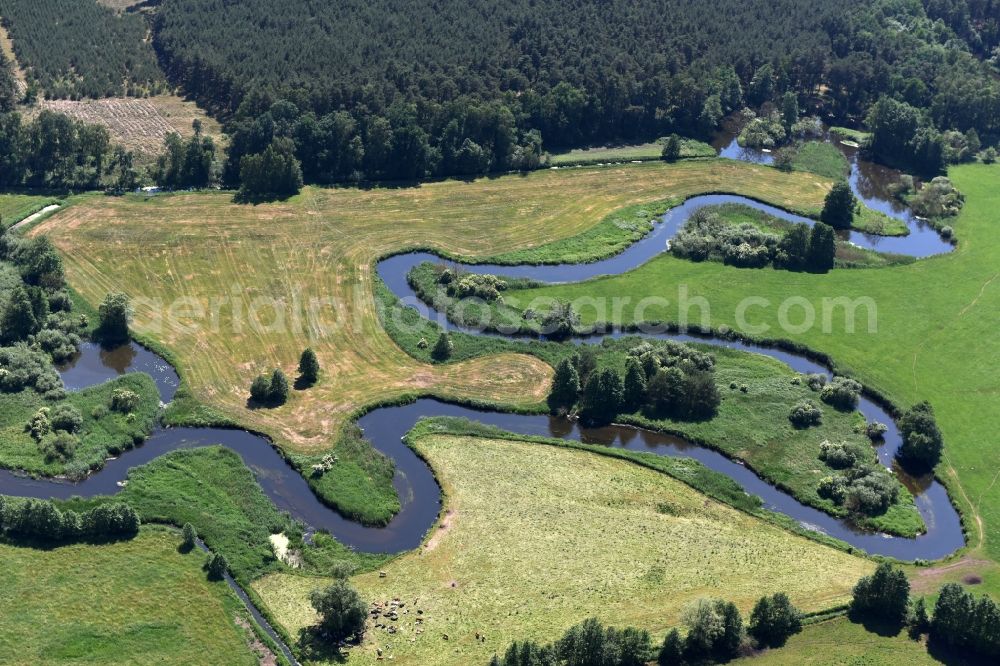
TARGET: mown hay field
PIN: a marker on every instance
(202, 253)
(535, 538)
(139, 124)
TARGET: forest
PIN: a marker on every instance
(389, 90)
(74, 49)
(393, 90)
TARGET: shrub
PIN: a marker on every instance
(883, 596)
(39, 426)
(59, 446)
(124, 400)
(22, 367)
(806, 413)
(876, 431)
(474, 285)
(57, 344)
(842, 393)
(560, 321)
(816, 381)
(66, 417)
(841, 455)
(938, 198)
(342, 611)
(988, 156)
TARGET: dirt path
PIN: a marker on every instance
(7, 47)
(34, 216)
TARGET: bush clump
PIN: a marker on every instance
(806, 413)
(842, 393)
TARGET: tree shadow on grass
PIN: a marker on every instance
(314, 646)
(948, 655)
(876, 625)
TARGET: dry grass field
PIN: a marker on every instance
(536, 538)
(202, 254)
(139, 124)
(7, 48)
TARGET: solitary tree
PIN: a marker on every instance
(671, 148)
(115, 315)
(308, 367)
(217, 566)
(822, 248)
(838, 209)
(342, 611)
(789, 110)
(189, 535)
(442, 348)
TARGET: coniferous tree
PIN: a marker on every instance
(277, 390)
(442, 348)
(635, 385)
(672, 650)
(565, 386)
(189, 537)
(308, 367)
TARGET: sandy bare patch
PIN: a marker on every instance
(442, 529)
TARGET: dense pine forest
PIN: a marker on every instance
(393, 90)
(75, 49)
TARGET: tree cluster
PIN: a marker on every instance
(185, 164)
(861, 485)
(664, 380)
(41, 520)
(708, 236)
(270, 391)
(966, 624)
(54, 151)
(922, 441)
(714, 632)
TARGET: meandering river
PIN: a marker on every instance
(418, 491)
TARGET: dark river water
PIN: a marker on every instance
(418, 491)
